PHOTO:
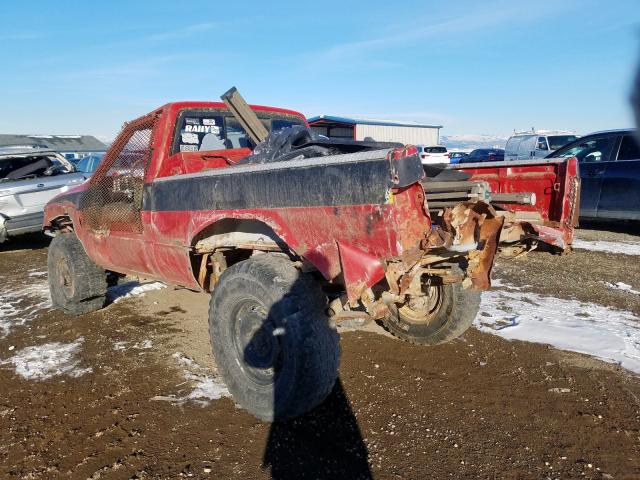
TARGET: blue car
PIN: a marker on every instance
(609, 165)
(484, 155)
(89, 164)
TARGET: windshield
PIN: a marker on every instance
(588, 150)
(559, 141)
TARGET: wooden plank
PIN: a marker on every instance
(243, 113)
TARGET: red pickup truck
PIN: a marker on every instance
(331, 231)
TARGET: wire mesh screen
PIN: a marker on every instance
(114, 198)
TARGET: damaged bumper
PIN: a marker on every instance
(460, 250)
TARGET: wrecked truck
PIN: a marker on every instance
(289, 237)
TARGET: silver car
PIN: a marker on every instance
(29, 178)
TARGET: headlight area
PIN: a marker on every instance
(3, 229)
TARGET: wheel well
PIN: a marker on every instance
(229, 241)
(62, 223)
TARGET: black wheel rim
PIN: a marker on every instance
(256, 342)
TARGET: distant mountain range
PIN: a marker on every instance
(472, 141)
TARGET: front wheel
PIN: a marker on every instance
(441, 314)
(271, 338)
(76, 283)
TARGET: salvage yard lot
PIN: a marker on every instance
(132, 391)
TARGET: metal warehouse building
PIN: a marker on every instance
(71, 146)
(379, 130)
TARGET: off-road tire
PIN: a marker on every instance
(77, 285)
(271, 338)
(458, 309)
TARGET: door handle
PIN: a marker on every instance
(40, 185)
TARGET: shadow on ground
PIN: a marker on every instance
(324, 444)
(621, 226)
(31, 241)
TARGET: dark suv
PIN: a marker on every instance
(610, 173)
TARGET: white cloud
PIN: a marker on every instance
(184, 32)
(485, 15)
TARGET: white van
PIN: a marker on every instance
(536, 144)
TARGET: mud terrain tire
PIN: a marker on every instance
(448, 317)
(271, 338)
(77, 285)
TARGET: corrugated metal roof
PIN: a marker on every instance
(365, 121)
(59, 143)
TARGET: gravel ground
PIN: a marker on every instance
(130, 392)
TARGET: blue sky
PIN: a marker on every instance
(475, 67)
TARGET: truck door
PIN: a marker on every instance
(620, 197)
(594, 154)
(110, 208)
(527, 147)
(542, 148)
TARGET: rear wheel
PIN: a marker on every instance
(77, 285)
(441, 314)
(271, 338)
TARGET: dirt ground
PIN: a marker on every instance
(479, 407)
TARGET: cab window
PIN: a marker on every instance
(542, 143)
(199, 131)
(629, 148)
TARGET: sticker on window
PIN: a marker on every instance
(201, 134)
(189, 138)
(202, 129)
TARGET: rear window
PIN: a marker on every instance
(559, 141)
(217, 129)
(435, 150)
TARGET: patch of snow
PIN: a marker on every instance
(144, 345)
(205, 388)
(38, 274)
(45, 361)
(609, 334)
(626, 248)
(622, 286)
(122, 345)
(472, 141)
(19, 304)
(118, 293)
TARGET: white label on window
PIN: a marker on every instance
(189, 138)
(202, 129)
